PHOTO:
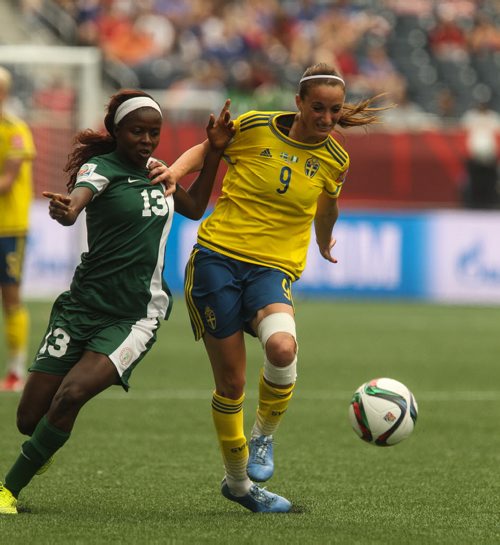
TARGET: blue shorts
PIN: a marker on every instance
(11, 259)
(224, 294)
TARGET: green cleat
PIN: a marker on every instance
(7, 502)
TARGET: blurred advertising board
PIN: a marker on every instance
(443, 256)
(52, 253)
(446, 256)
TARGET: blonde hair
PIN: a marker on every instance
(5, 79)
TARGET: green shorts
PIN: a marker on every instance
(74, 328)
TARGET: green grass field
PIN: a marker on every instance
(144, 467)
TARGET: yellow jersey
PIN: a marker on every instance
(270, 192)
(16, 142)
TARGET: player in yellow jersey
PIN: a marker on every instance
(16, 155)
(285, 172)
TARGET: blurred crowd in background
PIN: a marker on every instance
(436, 59)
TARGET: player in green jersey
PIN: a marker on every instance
(106, 323)
(285, 174)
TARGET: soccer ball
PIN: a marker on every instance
(383, 412)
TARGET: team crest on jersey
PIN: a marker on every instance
(210, 317)
(265, 153)
(311, 167)
(86, 170)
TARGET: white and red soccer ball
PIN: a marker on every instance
(383, 412)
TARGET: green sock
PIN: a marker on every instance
(44, 442)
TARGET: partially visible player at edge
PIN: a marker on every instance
(107, 322)
(285, 171)
(17, 152)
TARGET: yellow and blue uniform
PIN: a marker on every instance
(16, 142)
(261, 222)
(270, 191)
(249, 251)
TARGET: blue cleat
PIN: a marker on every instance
(260, 465)
(258, 500)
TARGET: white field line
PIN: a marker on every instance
(309, 395)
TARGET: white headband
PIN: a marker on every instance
(323, 76)
(133, 104)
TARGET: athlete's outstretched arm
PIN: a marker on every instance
(65, 209)
(327, 214)
(188, 162)
(193, 202)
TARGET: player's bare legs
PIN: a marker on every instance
(275, 326)
(228, 360)
(36, 399)
(63, 397)
(93, 374)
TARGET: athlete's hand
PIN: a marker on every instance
(326, 252)
(160, 173)
(220, 130)
(59, 205)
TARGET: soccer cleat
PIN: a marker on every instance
(45, 466)
(258, 500)
(260, 465)
(7, 502)
(12, 383)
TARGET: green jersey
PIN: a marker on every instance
(128, 221)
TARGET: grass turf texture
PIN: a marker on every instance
(144, 467)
